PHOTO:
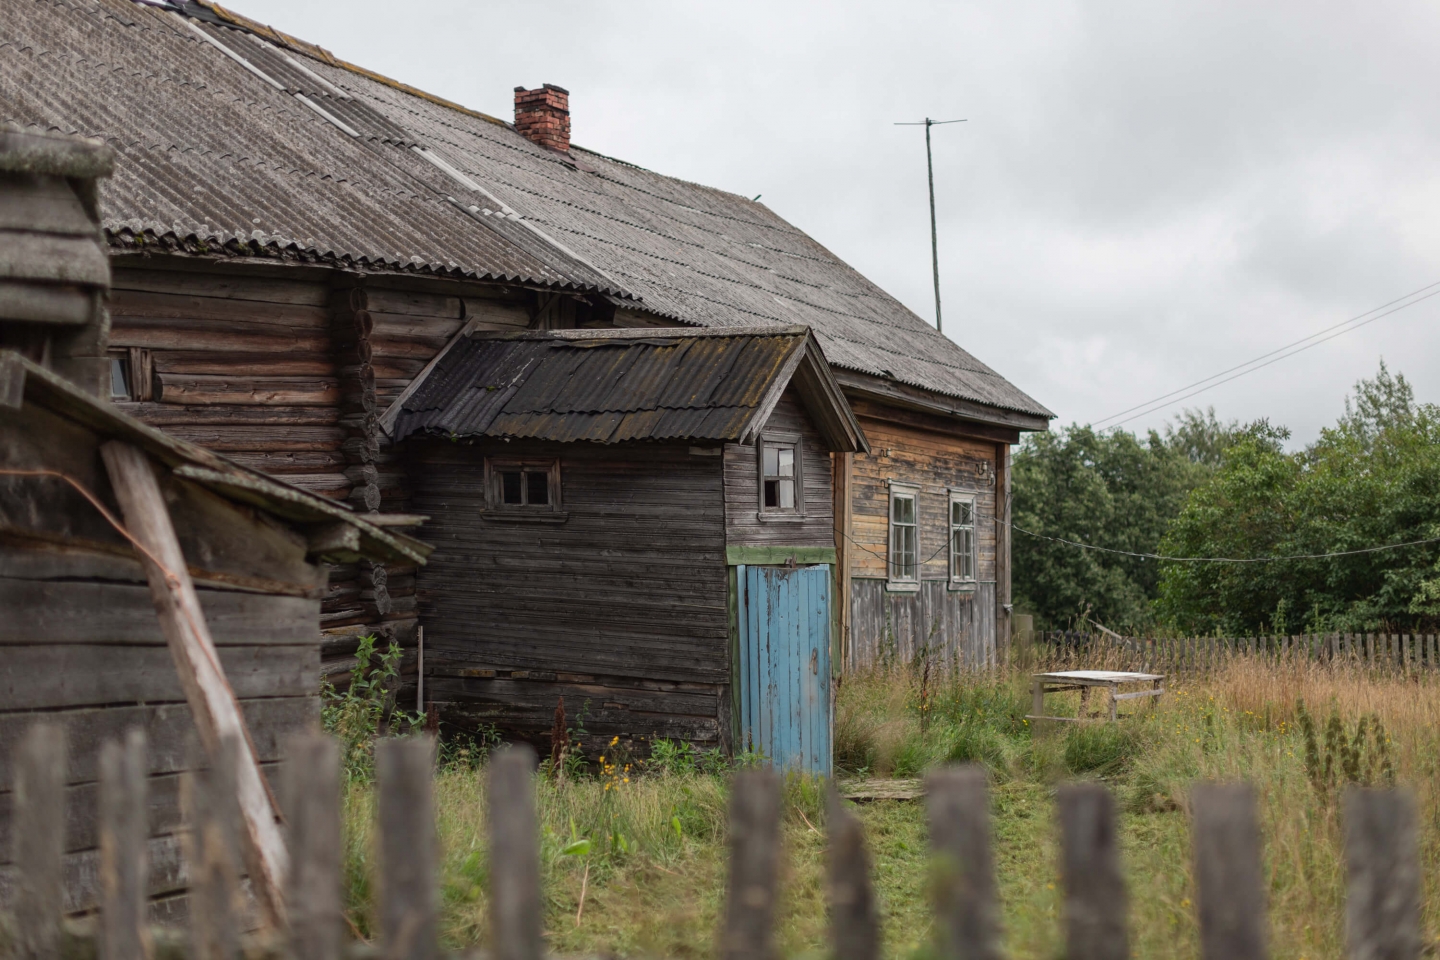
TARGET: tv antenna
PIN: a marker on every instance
(927, 123)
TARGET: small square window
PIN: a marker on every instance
(523, 486)
(781, 489)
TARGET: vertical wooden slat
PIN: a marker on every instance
(124, 828)
(1095, 899)
(1230, 890)
(748, 933)
(38, 837)
(515, 915)
(212, 816)
(1382, 908)
(967, 917)
(312, 800)
(409, 891)
(854, 926)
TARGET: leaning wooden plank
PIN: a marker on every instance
(217, 712)
(1231, 887)
(1090, 867)
(748, 932)
(123, 867)
(39, 825)
(1382, 908)
(967, 913)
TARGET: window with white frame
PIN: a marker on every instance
(962, 538)
(782, 490)
(904, 534)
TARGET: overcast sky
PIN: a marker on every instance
(1144, 194)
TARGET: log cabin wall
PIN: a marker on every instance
(956, 623)
(743, 523)
(285, 369)
(620, 607)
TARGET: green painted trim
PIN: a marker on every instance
(773, 556)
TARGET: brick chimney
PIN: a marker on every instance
(543, 116)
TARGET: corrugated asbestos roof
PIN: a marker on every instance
(212, 152)
(603, 386)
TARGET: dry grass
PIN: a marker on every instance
(653, 889)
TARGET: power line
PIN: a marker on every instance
(1150, 406)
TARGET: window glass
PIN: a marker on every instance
(119, 379)
(537, 488)
(904, 538)
(962, 540)
(779, 479)
(510, 488)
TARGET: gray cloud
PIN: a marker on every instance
(1144, 193)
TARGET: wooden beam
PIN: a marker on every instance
(934, 422)
(212, 702)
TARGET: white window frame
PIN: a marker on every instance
(911, 492)
(957, 580)
(795, 442)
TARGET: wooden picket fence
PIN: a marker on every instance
(1203, 655)
(1380, 836)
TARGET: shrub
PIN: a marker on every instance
(354, 715)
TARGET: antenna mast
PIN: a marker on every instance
(934, 235)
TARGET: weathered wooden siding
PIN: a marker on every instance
(80, 635)
(742, 506)
(621, 608)
(286, 370)
(882, 621)
(956, 627)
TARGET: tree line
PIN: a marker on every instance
(1202, 488)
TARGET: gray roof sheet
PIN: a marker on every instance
(629, 385)
(210, 151)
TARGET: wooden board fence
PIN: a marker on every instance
(1380, 841)
(1399, 653)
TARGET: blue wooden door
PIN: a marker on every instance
(785, 665)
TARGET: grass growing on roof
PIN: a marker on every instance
(652, 860)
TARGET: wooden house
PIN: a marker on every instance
(639, 522)
(84, 640)
(296, 239)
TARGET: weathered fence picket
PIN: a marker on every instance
(1381, 849)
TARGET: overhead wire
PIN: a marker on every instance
(1303, 344)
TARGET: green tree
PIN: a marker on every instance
(1372, 479)
(1110, 489)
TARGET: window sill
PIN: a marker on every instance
(961, 586)
(780, 517)
(519, 516)
(902, 586)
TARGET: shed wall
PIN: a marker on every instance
(621, 607)
(744, 526)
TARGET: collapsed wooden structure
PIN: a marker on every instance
(145, 582)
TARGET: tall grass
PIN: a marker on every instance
(654, 866)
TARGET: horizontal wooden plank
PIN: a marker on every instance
(241, 366)
(69, 611)
(766, 555)
(216, 335)
(261, 391)
(169, 729)
(81, 872)
(76, 675)
(128, 304)
(311, 293)
(260, 437)
(167, 415)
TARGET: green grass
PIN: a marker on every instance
(656, 840)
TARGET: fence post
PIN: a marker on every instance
(211, 845)
(854, 927)
(754, 867)
(404, 771)
(967, 917)
(1095, 898)
(124, 829)
(1382, 908)
(38, 837)
(515, 917)
(312, 801)
(1230, 890)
